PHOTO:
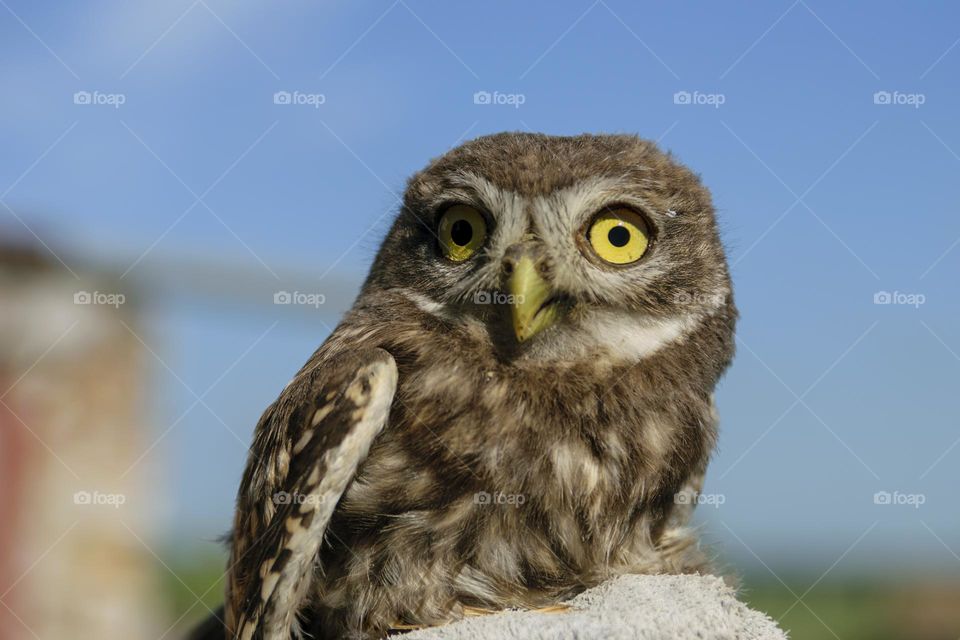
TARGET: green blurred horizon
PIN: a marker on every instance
(844, 605)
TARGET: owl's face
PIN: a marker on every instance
(559, 246)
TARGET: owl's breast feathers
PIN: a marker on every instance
(423, 471)
(522, 476)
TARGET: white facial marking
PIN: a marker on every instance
(624, 334)
(621, 335)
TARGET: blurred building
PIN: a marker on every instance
(75, 497)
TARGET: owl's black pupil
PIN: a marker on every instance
(619, 236)
(461, 233)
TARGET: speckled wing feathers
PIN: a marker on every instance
(328, 434)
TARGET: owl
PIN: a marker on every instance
(518, 406)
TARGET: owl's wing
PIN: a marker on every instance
(306, 451)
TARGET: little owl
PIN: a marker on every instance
(518, 406)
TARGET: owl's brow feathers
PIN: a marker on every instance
(569, 203)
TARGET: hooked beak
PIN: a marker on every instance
(534, 305)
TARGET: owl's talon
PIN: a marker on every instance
(554, 608)
(479, 611)
(400, 626)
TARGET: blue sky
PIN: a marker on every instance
(826, 196)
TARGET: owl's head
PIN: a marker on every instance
(560, 245)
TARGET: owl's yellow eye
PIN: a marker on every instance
(462, 231)
(619, 236)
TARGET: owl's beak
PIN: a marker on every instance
(533, 304)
